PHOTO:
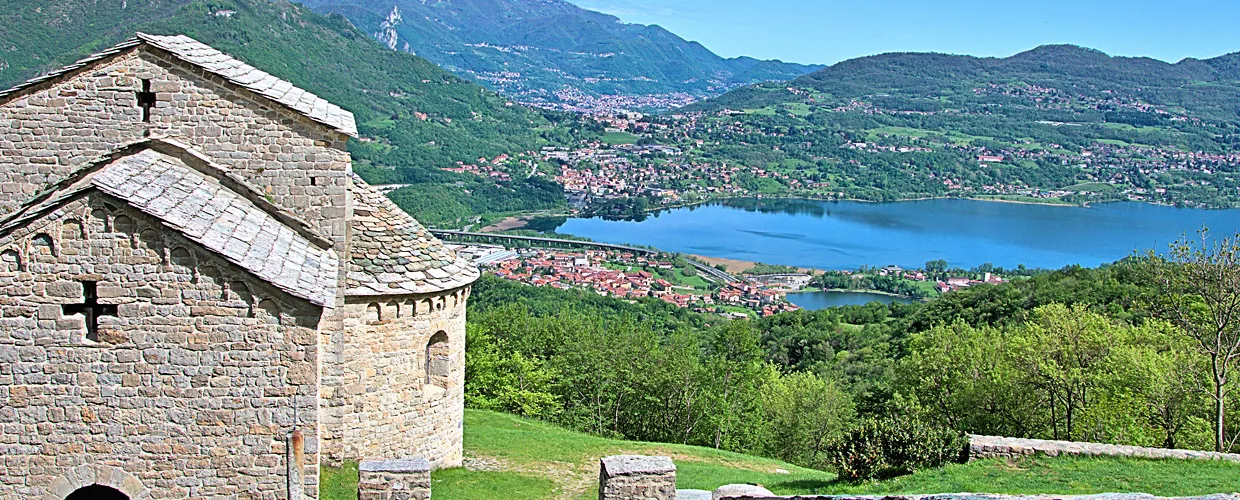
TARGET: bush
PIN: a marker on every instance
(880, 449)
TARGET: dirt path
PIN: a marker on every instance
(505, 225)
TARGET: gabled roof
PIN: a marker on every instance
(392, 254)
(202, 56)
(207, 212)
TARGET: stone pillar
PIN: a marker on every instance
(295, 459)
(406, 479)
(634, 477)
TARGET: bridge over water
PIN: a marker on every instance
(470, 237)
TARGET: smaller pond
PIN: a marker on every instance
(822, 300)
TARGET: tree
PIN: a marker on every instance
(936, 266)
(805, 413)
(1198, 284)
(1062, 352)
(733, 362)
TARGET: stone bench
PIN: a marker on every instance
(635, 477)
(405, 479)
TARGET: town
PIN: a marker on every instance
(628, 275)
(649, 163)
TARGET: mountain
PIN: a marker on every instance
(1207, 88)
(414, 118)
(551, 51)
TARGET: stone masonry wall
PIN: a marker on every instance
(981, 496)
(192, 388)
(407, 479)
(379, 405)
(634, 477)
(49, 132)
(981, 447)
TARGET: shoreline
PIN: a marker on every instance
(731, 264)
(1025, 202)
(736, 267)
(856, 200)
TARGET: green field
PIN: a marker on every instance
(519, 459)
(1016, 198)
(955, 137)
(689, 281)
(1096, 187)
(617, 137)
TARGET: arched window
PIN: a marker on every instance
(213, 280)
(97, 492)
(43, 245)
(438, 360)
(10, 261)
(99, 221)
(239, 294)
(270, 311)
(182, 257)
(152, 244)
(374, 312)
(394, 307)
(71, 230)
(123, 224)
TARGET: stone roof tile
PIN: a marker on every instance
(393, 254)
(203, 210)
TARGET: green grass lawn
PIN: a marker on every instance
(527, 460)
(691, 281)
(1020, 199)
(618, 137)
(1097, 187)
(927, 286)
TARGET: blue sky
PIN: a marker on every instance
(828, 31)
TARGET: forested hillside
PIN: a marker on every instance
(1076, 354)
(1206, 89)
(534, 48)
(1056, 124)
(414, 118)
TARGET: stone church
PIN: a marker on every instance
(198, 299)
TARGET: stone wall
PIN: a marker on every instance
(192, 388)
(377, 399)
(53, 130)
(406, 479)
(634, 477)
(981, 447)
(973, 496)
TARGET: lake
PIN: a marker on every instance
(822, 300)
(847, 235)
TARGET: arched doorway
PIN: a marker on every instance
(96, 482)
(97, 492)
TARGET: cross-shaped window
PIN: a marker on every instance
(146, 100)
(91, 308)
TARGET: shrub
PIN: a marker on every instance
(880, 449)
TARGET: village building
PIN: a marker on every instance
(198, 299)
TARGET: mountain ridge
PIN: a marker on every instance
(540, 51)
(1210, 87)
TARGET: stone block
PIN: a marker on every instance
(64, 289)
(404, 479)
(636, 477)
(740, 491)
